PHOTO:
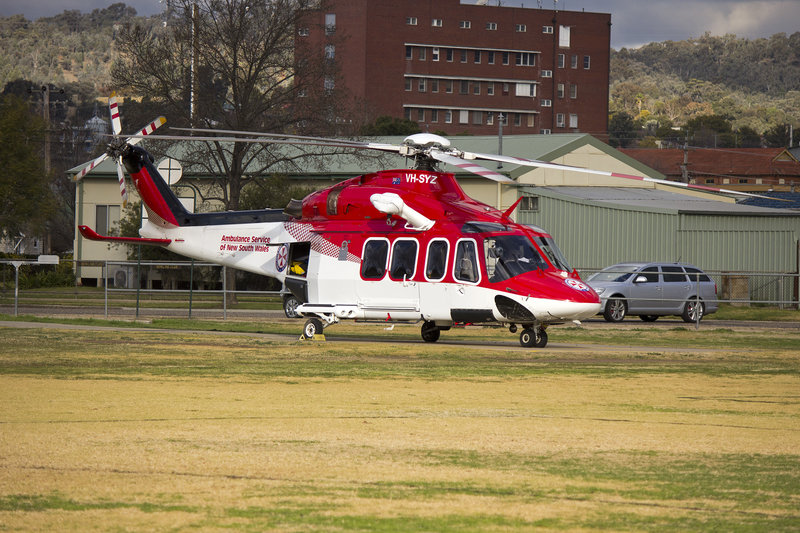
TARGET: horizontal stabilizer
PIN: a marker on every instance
(92, 235)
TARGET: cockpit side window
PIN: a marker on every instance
(556, 257)
(510, 255)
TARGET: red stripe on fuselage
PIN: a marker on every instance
(150, 195)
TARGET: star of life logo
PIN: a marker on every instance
(577, 285)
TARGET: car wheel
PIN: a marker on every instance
(430, 332)
(616, 309)
(312, 327)
(648, 318)
(693, 311)
(290, 304)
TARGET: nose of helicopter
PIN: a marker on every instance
(568, 299)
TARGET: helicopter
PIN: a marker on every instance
(392, 246)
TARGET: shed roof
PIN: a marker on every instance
(659, 200)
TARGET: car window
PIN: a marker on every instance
(673, 274)
(694, 273)
(614, 273)
(651, 273)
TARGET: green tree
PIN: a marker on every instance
(622, 130)
(777, 136)
(26, 200)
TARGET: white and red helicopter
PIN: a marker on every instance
(405, 245)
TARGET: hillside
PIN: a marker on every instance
(753, 83)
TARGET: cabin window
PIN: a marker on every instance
(466, 264)
(510, 255)
(404, 259)
(373, 262)
(436, 265)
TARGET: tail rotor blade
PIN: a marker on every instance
(89, 167)
(116, 123)
(122, 190)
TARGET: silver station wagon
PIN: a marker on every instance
(651, 290)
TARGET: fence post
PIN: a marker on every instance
(105, 289)
(191, 282)
(224, 292)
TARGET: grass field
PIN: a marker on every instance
(624, 429)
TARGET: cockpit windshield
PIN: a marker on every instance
(510, 255)
(554, 254)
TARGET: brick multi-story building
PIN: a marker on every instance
(457, 67)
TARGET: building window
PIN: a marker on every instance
(547, 29)
(521, 28)
(563, 36)
(531, 118)
(574, 61)
(435, 53)
(526, 59)
(587, 62)
(330, 51)
(107, 219)
(489, 119)
(422, 86)
(547, 73)
(477, 56)
(573, 90)
(330, 23)
(434, 115)
(463, 56)
(448, 117)
(505, 89)
(560, 120)
(561, 60)
(490, 88)
(422, 53)
(329, 84)
(560, 90)
(477, 118)
(465, 24)
(303, 32)
(491, 26)
(409, 52)
(517, 119)
(546, 131)
(476, 88)
(464, 87)
(506, 58)
(525, 89)
(411, 21)
(463, 116)
(449, 55)
(529, 203)
(420, 115)
(434, 86)
(436, 23)
(408, 84)
(573, 120)
(490, 57)
(546, 102)
(448, 86)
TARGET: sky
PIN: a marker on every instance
(634, 22)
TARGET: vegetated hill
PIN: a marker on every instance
(753, 83)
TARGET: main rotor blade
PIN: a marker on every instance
(89, 167)
(544, 164)
(469, 167)
(298, 142)
(279, 136)
(122, 191)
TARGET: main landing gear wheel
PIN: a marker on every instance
(533, 337)
(430, 332)
(312, 327)
(290, 304)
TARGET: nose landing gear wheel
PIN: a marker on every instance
(533, 337)
(430, 332)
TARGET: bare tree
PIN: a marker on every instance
(233, 64)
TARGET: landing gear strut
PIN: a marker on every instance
(534, 336)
